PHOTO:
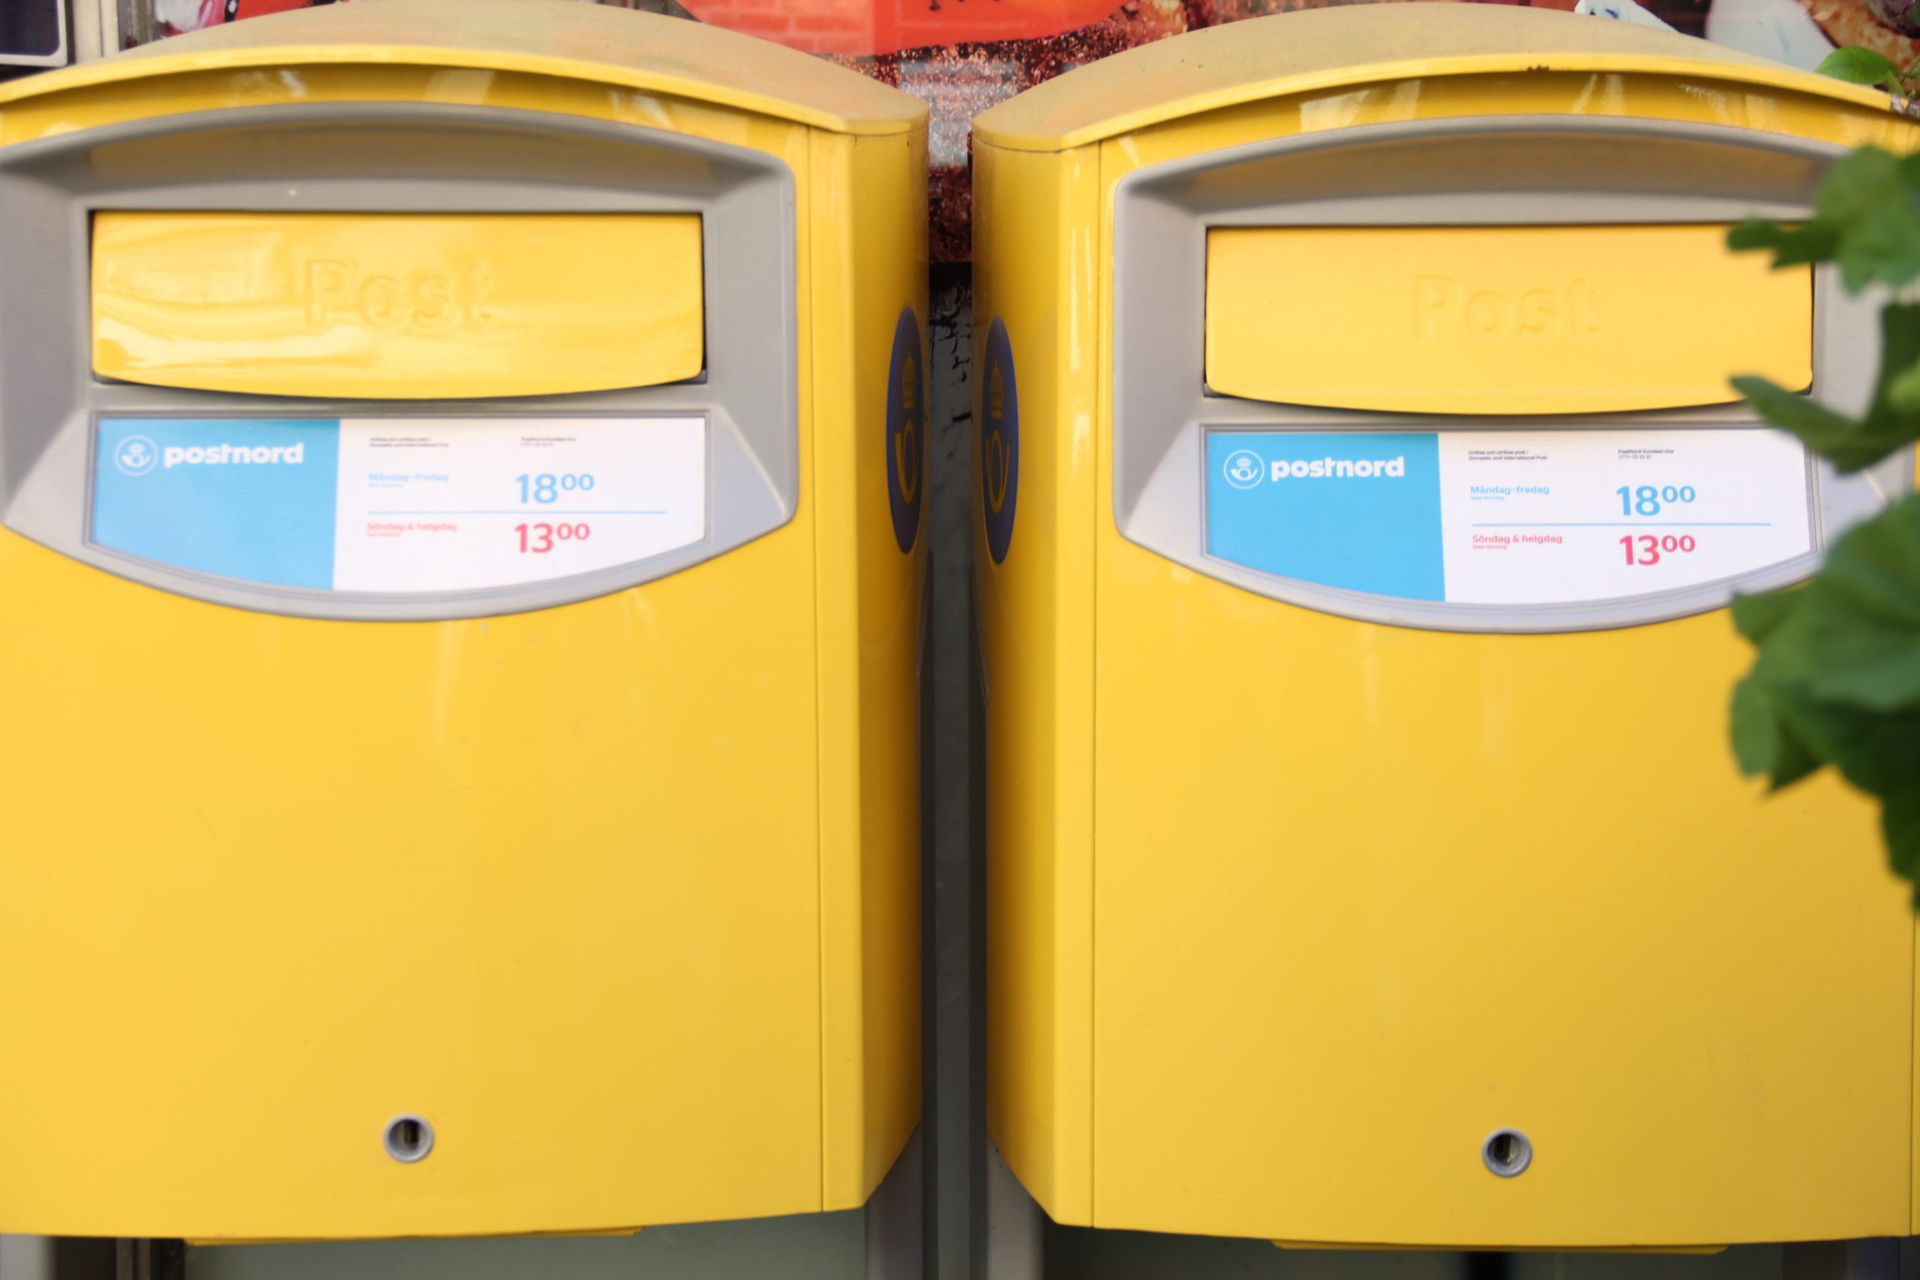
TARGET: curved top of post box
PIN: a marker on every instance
(1319, 49)
(563, 38)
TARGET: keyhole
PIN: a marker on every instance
(1507, 1153)
(409, 1139)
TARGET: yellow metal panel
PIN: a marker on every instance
(1036, 245)
(1499, 320)
(869, 262)
(496, 871)
(397, 306)
(1413, 908)
(1365, 894)
(1337, 48)
(88, 105)
(1614, 94)
(645, 53)
(1685, 1251)
(1436, 884)
(548, 879)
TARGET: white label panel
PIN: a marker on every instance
(450, 504)
(1508, 517)
(1551, 517)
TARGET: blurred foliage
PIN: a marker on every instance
(1836, 682)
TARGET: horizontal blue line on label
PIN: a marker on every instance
(518, 511)
(1624, 524)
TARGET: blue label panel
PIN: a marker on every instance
(906, 431)
(1357, 510)
(243, 498)
(999, 441)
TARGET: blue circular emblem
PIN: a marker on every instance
(999, 441)
(906, 431)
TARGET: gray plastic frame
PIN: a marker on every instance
(393, 157)
(1519, 170)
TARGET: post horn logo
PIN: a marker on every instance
(996, 460)
(1245, 469)
(999, 442)
(906, 442)
(136, 455)
(906, 431)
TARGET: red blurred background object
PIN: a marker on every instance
(888, 26)
(179, 16)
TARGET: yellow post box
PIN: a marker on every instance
(1360, 497)
(461, 469)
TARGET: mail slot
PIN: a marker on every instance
(397, 306)
(1498, 320)
(1360, 499)
(460, 470)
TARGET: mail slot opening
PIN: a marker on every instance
(1498, 320)
(397, 306)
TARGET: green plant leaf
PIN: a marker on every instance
(1878, 753)
(1858, 66)
(1831, 435)
(1763, 745)
(1903, 390)
(1792, 246)
(1870, 196)
(1836, 673)
(1771, 704)
(1881, 246)
(1756, 616)
(1863, 218)
(1900, 823)
(1849, 443)
(1863, 622)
